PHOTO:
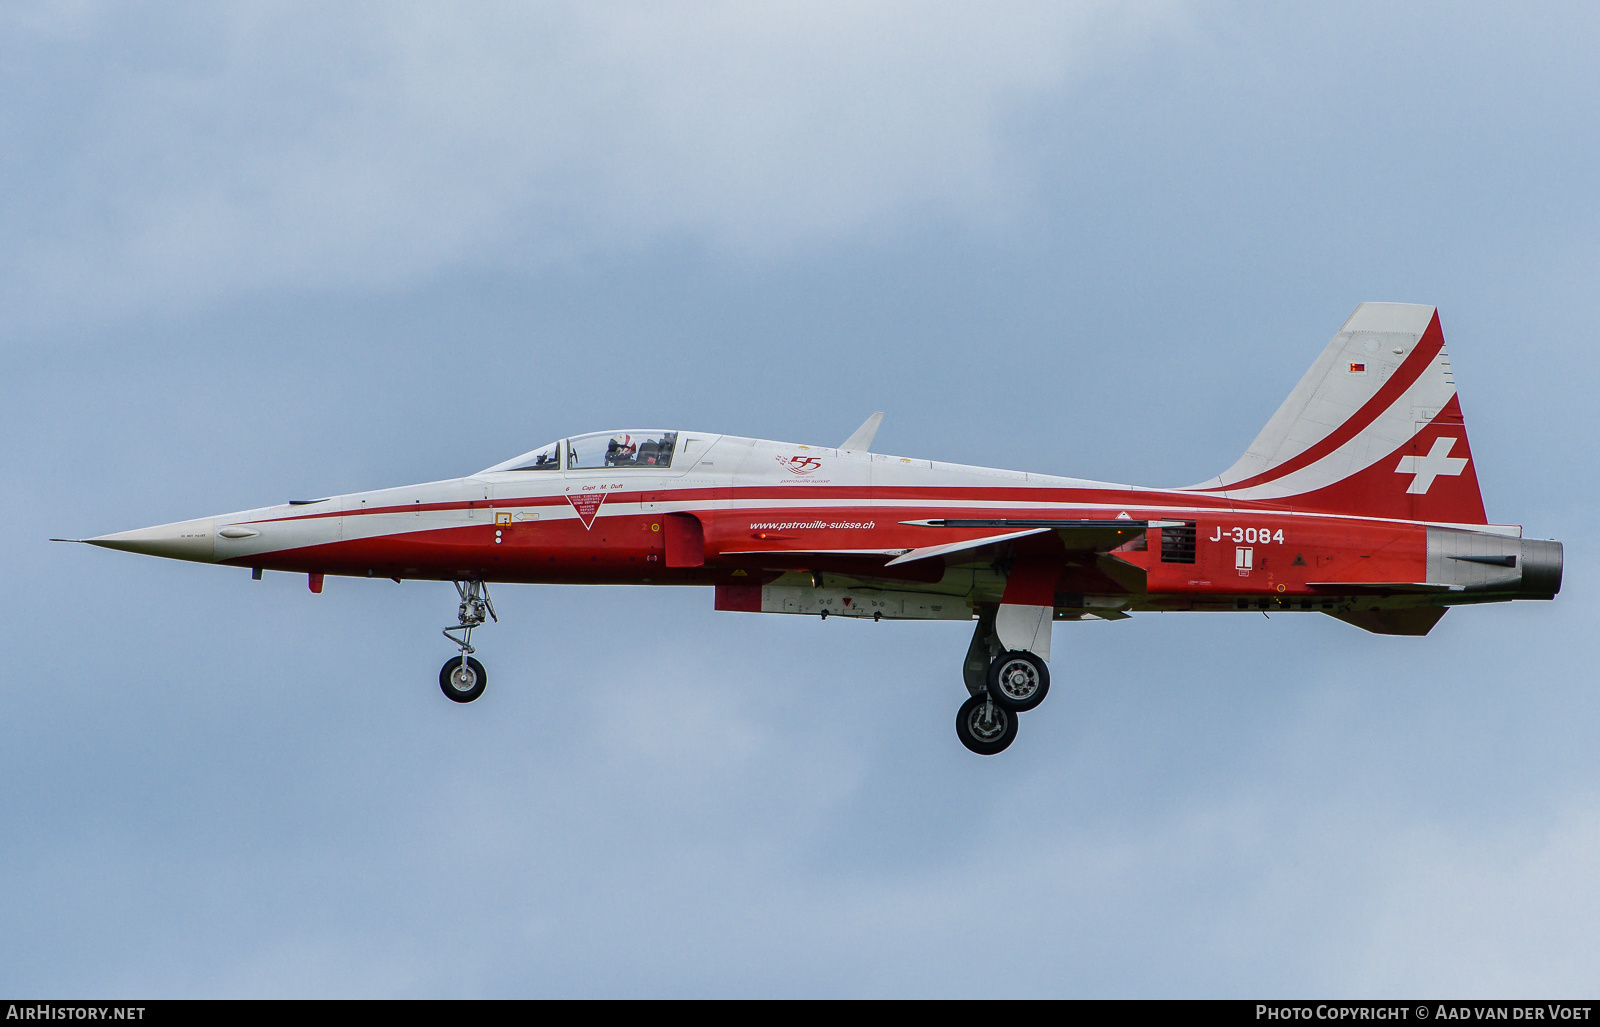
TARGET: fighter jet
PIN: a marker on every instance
(1358, 500)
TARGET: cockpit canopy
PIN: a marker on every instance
(650, 449)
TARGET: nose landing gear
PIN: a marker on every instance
(462, 678)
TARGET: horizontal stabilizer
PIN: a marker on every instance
(1393, 622)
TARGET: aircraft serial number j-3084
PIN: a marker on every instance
(1359, 499)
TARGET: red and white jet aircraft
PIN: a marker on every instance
(1359, 499)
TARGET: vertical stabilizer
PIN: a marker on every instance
(1374, 428)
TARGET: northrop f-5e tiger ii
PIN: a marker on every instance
(1358, 500)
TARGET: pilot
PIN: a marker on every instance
(621, 450)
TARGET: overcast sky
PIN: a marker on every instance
(258, 252)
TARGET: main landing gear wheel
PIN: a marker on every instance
(985, 727)
(1018, 681)
(462, 680)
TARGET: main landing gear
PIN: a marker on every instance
(462, 678)
(1018, 681)
(984, 726)
(1003, 684)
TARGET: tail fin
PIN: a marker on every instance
(1374, 428)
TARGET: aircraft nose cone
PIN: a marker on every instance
(181, 540)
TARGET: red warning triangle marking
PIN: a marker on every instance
(587, 506)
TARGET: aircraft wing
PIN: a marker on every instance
(956, 547)
(810, 552)
(1078, 535)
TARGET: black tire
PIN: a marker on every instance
(983, 728)
(1018, 680)
(451, 680)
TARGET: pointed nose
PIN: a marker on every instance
(181, 540)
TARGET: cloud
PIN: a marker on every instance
(175, 156)
(1494, 916)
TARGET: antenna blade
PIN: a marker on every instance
(861, 438)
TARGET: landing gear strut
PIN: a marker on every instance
(462, 678)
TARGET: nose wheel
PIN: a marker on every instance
(462, 678)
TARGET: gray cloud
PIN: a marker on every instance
(214, 152)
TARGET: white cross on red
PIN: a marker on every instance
(1426, 468)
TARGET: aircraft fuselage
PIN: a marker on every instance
(748, 513)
